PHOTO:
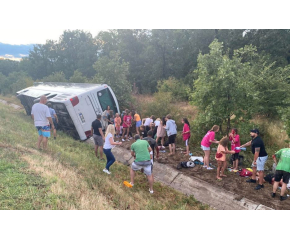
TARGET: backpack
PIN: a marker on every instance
(245, 173)
(188, 164)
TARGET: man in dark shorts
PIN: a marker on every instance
(153, 145)
(54, 119)
(282, 171)
(171, 129)
(142, 153)
(98, 136)
(260, 158)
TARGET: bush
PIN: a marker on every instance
(179, 90)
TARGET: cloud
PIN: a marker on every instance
(23, 55)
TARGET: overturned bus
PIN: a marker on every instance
(76, 104)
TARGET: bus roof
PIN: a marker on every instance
(59, 88)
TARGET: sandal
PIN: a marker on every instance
(219, 179)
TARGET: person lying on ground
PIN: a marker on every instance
(142, 153)
(220, 156)
(260, 157)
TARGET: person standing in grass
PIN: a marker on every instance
(235, 142)
(138, 121)
(220, 156)
(42, 121)
(260, 157)
(54, 119)
(143, 154)
(207, 140)
(186, 134)
(171, 129)
(109, 144)
(282, 171)
(161, 133)
(126, 125)
(97, 133)
(118, 124)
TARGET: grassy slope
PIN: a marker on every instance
(68, 175)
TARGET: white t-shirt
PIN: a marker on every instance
(157, 122)
(40, 113)
(148, 121)
(107, 144)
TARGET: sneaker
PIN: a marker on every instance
(251, 180)
(204, 166)
(162, 147)
(259, 187)
(273, 195)
(128, 140)
(123, 140)
(282, 198)
(151, 191)
(106, 171)
(209, 168)
(132, 184)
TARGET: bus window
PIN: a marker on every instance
(106, 99)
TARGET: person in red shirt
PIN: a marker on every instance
(235, 142)
(186, 133)
(127, 121)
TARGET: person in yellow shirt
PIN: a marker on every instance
(138, 121)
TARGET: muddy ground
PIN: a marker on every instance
(233, 182)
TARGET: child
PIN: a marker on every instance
(235, 142)
(118, 124)
(171, 130)
(138, 121)
(207, 140)
(161, 133)
(111, 117)
(127, 120)
(220, 156)
(143, 132)
(186, 133)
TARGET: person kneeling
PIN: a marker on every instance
(141, 150)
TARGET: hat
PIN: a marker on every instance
(255, 131)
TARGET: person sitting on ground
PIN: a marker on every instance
(142, 153)
(143, 132)
(42, 121)
(235, 142)
(282, 171)
(171, 129)
(54, 119)
(220, 156)
(99, 138)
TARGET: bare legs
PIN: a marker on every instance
(206, 158)
(125, 130)
(150, 179)
(101, 151)
(236, 164)
(219, 167)
(42, 140)
(172, 149)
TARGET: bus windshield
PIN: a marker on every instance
(106, 99)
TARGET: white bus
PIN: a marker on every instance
(76, 104)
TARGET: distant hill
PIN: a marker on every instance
(18, 51)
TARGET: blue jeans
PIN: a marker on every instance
(110, 158)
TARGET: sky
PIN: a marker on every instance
(34, 21)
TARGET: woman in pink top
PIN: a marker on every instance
(207, 140)
(220, 156)
(186, 133)
(235, 142)
(127, 120)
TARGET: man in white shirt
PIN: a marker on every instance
(41, 116)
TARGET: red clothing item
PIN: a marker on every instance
(235, 142)
(127, 120)
(186, 129)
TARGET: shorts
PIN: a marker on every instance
(98, 140)
(186, 142)
(260, 163)
(282, 174)
(205, 148)
(139, 123)
(171, 139)
(235, 156)
(44, 131)
(147, 168)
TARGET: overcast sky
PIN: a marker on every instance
(34, 21)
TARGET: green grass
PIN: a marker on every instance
(68, 175)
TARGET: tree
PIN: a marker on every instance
(55, 77)
(78, 77)
(114, 71)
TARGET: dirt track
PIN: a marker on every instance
(233, 182)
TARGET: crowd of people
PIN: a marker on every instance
(150, 139)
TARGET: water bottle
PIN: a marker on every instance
(241, 148)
